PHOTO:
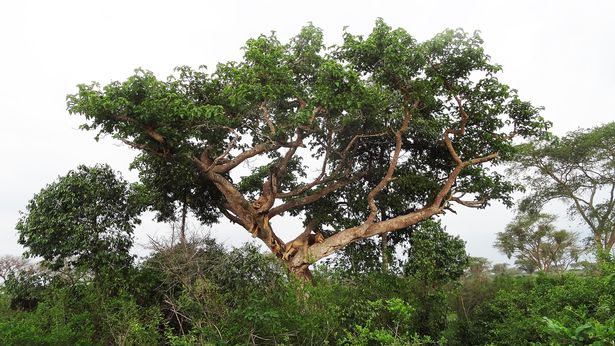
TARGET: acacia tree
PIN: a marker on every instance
(385, 113)
(578, 169)
(537, 245)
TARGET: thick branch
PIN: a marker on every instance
(316, 181)
(392, 165)
(299, 202)
(143, 147)
(268, 121)
(257, 150)
(470, 204)
(365, 230)
(225, 211)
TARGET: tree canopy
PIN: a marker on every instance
(579, 169)
(359, 139)
(537, 245)
(83, 219)
(435, 256)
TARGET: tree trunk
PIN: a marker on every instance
(303, 273)
(182, 230)
(384, 248)
(384, 243)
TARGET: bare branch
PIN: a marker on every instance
(575, 199)
(316, 181)
(481, 203)
(457, 132)
(354, 139)
(225, 211)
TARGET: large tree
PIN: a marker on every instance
(361, 139)
(578, 169)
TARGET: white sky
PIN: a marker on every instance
(558, 54)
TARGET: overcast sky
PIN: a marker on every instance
(558, 54)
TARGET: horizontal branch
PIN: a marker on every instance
(302, 201)
(257, 150)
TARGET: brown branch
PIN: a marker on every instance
(164, 154)
(256, 150)
(273, 184)
(470, 204)
(575, 199)
(299, 202)
(392, 165)
(209, 163)
(154, 135)
(228, 148)
(344, 153)
(268, 121)
(316, 181)
(457, 132)
(308, 229)
(365, 230)
(232, 217)
(450, 181)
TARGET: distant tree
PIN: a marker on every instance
(84, 219)
(25, 287)
(478, 267)
(535, 243)
(361, 139)
(578, 169)
(503, 268)
(10, 264)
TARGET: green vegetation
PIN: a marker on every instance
(201, 293)
(537, 245)
(402, 131)
(398, 130)
(578, 169)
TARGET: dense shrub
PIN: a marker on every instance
(201, 293)
(531, 309)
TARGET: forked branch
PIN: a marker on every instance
(392, 165)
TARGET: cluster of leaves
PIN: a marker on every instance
(84, 219)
